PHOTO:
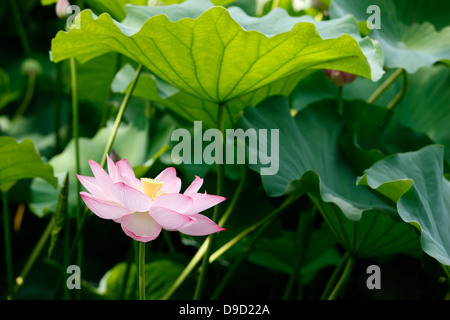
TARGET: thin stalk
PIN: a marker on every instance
(8, 250)
(343, 279)
(220, 184)
(20, 280)
(337, 271)
(201, 251)
(261, 227)
(384, 86)
(399, 96)
(75, 127)
(75, 136)
(142, 270)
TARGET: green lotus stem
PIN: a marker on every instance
(201, 251)
(75, 136)
(343, 279)
(261, 226)
(8, 251)
(220, 184)
(20, 280)
(382, 88)
(75, 127)
(334, 276)
(399, 96)
(142, 270)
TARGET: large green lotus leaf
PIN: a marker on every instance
(426, 106)
(22, 161)
(218, 54)
(415, 182)
(192, 108)
(408, 32)
(310, 161)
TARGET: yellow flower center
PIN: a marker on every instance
(152, 187)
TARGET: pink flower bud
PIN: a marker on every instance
(339, 78)
(61, 8)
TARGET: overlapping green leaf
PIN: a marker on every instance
(22, 161)
(415, 182)
(408, 32)
(310, 161)
(217, 54)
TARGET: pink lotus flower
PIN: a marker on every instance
(143, 207)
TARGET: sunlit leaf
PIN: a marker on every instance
(219, 54)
